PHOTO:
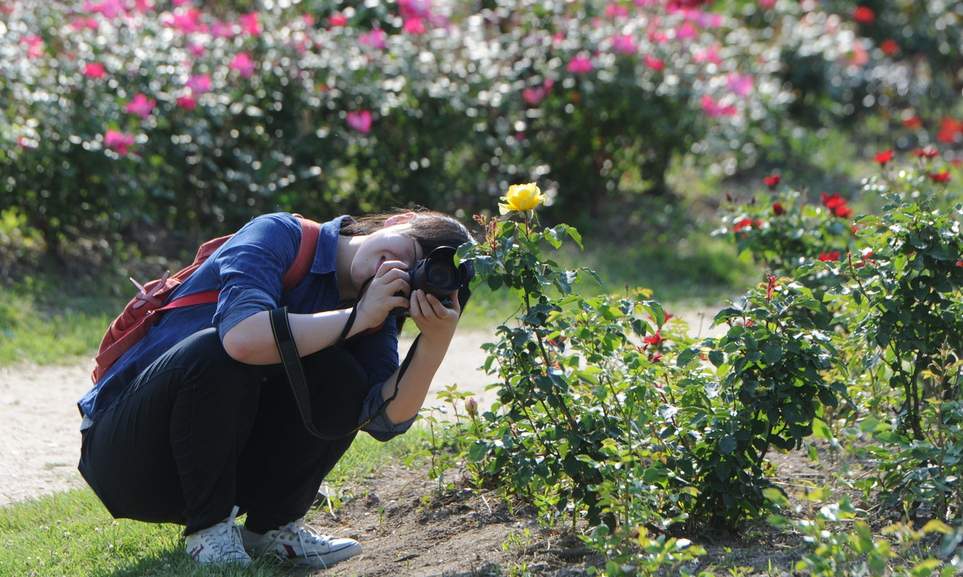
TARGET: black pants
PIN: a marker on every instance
(197, 432)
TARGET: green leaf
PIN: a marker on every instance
(717, 358)
(727, 444)
(478, 451)
(821, 430)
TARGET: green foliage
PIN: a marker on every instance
(895, 290)
(841, 543)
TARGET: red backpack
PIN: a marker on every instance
(142, 311)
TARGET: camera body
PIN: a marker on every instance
(437, 274)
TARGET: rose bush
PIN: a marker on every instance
(125, 117)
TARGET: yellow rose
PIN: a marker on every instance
(521, 197)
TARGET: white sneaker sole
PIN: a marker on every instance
(345, 551)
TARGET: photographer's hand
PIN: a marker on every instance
(379, 298)
(435, 321)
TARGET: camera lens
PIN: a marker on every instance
(441, 275)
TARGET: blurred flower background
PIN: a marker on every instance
(135, 125)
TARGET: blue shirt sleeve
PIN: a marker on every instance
(378, 353)
(251, 266)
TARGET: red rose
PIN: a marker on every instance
(942, 176)
(777, 209)
(929, 152)
(836, 204)
(744, 223)
(959, 263)
(889, 47)
(772, 180)
(884, 157)
(950, 128)
(829, 256)
(864, 15)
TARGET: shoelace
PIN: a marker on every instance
(301, 530)
(231, 541)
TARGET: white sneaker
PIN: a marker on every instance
(219, 544)
(300, 544)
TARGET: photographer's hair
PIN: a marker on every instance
(430, 228)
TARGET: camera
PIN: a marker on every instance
(437, 274)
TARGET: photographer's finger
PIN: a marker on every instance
(396, 273)
(415, 307)
(436, 305)
(389, 265)
(399, 285)
(425, 305)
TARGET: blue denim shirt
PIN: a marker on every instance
(247, 270)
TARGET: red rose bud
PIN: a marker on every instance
(653, 339)
(770, 286)
(772, 180)
(471, 406)
(777, 209)
(884, 157)
(913, 122)
(829, 256)
(942, 176)
(889, 47)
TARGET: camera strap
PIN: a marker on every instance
(294, 370)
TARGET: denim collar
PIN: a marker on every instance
(326, 254)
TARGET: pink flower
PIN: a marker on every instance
(187, 102)
(658, 37)
(186, 21)
(710, 54)
(654, 63)
(141, 105)
(533, 96)
(337, 20)
(414, 8)
(181, 2)
(685, 32)
(34, 46)
(199, 83)
(414, 25)
(624, 44)
(767, 4)
(373, 39)
(249, 23)
(714, 110)
(143, 6)
(196, 49)
(94, 70)
(110, 9)
(740, 84)
(579, 65)
(84, 23)
(360, 121)
(221, 29)
(119, 142)
(614, 10)
(244, 64)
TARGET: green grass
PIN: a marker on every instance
(44, 320)
(71, 533)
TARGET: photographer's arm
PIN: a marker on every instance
(413, 388)
(252, 342)
(437, 324)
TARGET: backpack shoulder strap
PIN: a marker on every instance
(310, 231)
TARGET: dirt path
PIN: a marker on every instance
(39, 422)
